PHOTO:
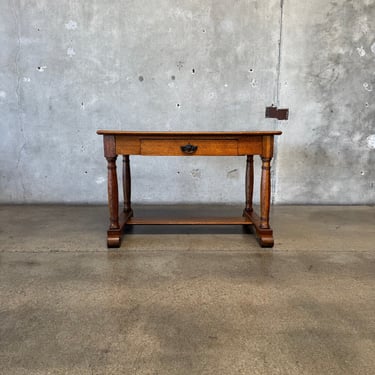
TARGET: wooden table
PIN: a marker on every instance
(189, 144)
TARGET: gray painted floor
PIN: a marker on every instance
(187, 300)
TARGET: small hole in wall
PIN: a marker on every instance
(362, 173)
(251, 70)
(366, 105)
(82, 104)
(193, 71)
(178, 105)
(173, 78)
(85, 172)
(204, 30)
(141, 79)
(39, 68)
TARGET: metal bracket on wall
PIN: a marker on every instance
(280, 114)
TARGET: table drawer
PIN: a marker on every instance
(189, 147)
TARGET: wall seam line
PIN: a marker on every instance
(278, 79)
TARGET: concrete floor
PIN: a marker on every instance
(189, 300)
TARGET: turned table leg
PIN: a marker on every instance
(126, 183)
(261, 224)
(114, 231)
(265, 194)
(249, 182)
(113, 193)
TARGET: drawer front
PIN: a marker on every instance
(128, 145)
(189, 147)
(250, 145)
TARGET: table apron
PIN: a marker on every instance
(173, 146)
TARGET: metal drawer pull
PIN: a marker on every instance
(189, 149)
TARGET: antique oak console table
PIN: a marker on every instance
(189, 144)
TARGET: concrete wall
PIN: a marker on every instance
(327, 152)
(70, 68)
